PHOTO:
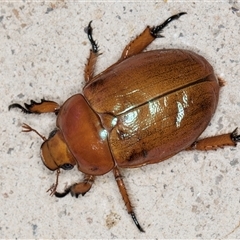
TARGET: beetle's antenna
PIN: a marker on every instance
(27, 128)
(155, 30)
(53, 188)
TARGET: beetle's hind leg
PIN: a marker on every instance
(94, 53)
(213, 143)
(146, 37)
(43, 107)
(125, 197)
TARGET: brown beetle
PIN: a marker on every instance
(143, 109)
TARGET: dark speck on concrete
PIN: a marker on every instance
(234, 9)
(221, 26)
(49, 10)
(10, 150)
(234, 162)
(34, 228)
(20, 95)
(195, 158)
(218, 179)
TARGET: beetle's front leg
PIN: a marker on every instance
(123, 191)
(43, 107)
(94, 53)
(146, 37)
(78, 188)
(220, 141)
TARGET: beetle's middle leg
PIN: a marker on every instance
(94, 53)
(146, 37)
(220, 141)
(125, 197)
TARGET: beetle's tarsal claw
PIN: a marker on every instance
(16, 105)
(234, 136)
(63, 194)
(90, 37)
(155, 30)
(136, 222)
(158, 35)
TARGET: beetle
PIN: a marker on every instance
(143, 109)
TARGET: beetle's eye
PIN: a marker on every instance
(67, 166)
(52, 133)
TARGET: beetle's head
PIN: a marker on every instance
(55, 153)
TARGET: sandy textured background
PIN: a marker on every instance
(42, 54)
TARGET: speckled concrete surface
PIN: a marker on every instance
(42, 54)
